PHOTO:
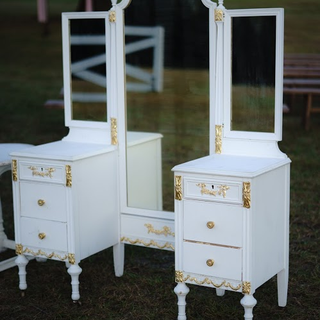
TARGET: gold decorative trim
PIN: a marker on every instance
(14, 170)
(114, 131)
(68, 176)
(47, 173)
(165, 230)
(112, 16)
(167, 245)
(20, 250)
(218, 15)
(178, 188)
(180, 278)
(246, 194)
(71, 258)
(246, 287)
(222, 190)
(218, 140)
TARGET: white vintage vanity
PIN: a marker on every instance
(232, 207)
(66, 193)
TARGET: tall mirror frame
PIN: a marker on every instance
(88, 130)
(267, 135)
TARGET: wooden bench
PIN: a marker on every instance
(302, 77)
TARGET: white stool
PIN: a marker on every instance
(5, 165)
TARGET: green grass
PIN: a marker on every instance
(31, 73)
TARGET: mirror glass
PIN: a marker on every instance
(253, 45)
(88, 69)
(168, 119)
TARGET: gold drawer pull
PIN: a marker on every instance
(41, 235)
(210, 224)
(41, 202)
(210, 262)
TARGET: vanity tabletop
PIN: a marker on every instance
(232, 165)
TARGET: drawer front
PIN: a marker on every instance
(43, 201)
(213, 261)
(53, 173)
(44, 234)
(213, 190)
(214, 223)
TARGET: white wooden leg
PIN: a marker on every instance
(220, 292)
(248, 302)
(3, 236)
(181, 290)
(282, 278)
(74, 271)
(22, 262)
(118, 259)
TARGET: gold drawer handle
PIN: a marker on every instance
(210, 262)
(41, 202)
(41, 235)
(210, 224)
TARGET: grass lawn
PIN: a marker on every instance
(31, 73)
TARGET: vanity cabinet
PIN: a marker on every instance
(65, 204)
(232, 225)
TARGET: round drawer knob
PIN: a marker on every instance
(210, 224)
(210, 262)
(41, 202)
(41, 235)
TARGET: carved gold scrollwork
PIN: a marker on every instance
(181, 278)
(114, 131)
(152, 243)
(112, 16)
(246, 194)
(246, 287)
(178, 188)
(222, 190)
(20, 250)
(43, 172)
(218, 139)
(165, 230)
(68, 176)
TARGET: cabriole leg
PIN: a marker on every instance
(181, 290)
(22, 262)
(74, 271)
(248, 302)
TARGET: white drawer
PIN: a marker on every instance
(227, 262)
(55, 234)
(43, 201)
(212, 190)
(214, 223)
(42, 172)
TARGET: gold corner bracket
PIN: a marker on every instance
(112, 16)
(68, 176)
(114, 131)
(218, 15)
(246, 287)
(178, 188)
(246, 194)
(218, 140)
(14, 170)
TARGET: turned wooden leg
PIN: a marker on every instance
(248, 302)
(181, 290)
(118, 259)
(74, 271)
(282, 279)
(220, 292)
(22, 262)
